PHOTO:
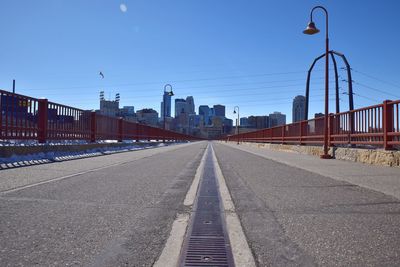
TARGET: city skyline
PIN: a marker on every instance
(141, 49)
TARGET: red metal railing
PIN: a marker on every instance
(24, 117)
(373, 126)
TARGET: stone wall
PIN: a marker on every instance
(370, 156)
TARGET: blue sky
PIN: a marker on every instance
(232, 52)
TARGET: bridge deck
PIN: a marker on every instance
(119, 209)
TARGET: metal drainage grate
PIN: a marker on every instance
(207, 243)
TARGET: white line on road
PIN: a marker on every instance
(240, 248)
(167, 149)
(170, 255)
(172, 249)
(191, 194)
(58, 178)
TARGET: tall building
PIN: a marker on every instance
(128, 113)
(109, 107)
(259, 122)
(190, 105)
(204, 112)
(276, 119)
(219, 110)
(147, 116)
(244, 122)
(167, 99)
(227, 126)
(180, 106)
(298, 110)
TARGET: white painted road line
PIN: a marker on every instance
(170, 255)
(240, 248)
(58, 179)
(191, 194)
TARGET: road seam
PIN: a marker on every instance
(170, 255)
(240, 248)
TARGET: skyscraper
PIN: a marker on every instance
(276, 119)
(219, 110)
(180, 106)
(298, 110)
(190, 105)
(204, 112)
(167, 99)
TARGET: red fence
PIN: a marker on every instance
(374, 126)
(24, 117)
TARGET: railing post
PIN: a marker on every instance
(301, 132)
(137, 132)
(387, 123)
(93, 126)
(330, 130)
(42, 120)
(350, 127)
(120, 129)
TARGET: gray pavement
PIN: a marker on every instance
(114, 210)
(118, 210)
(379, 178)
(295, 217)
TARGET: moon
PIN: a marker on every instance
(123, 8)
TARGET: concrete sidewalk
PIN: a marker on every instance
(378, 178)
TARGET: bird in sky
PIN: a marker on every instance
(101, 74)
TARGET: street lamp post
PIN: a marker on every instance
(170, 93)
(311, 29)
(237, 122)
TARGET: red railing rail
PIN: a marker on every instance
(376, 126)
(27, 118)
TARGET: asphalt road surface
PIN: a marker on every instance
(117, 211)
(293, 217)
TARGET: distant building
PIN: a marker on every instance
(244, 122)
(258, 122)
(180, 106)
(167, 99)
(276, 119)
(227, 126)
(109, 107)
(194, 121)
(219, 110)
(128, 113)
(204, 112)
(212, 112)
(298, 110)
(147, 116)
(190, 105)
(317, 115)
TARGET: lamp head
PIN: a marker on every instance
(234, 112)
(171, 93)
(311, 29)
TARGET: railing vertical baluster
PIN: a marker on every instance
(387, 123)
(120, 129)
(42, 120)
(93, 126)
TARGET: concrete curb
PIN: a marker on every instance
(9, 151)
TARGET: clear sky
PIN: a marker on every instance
(249, 53)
